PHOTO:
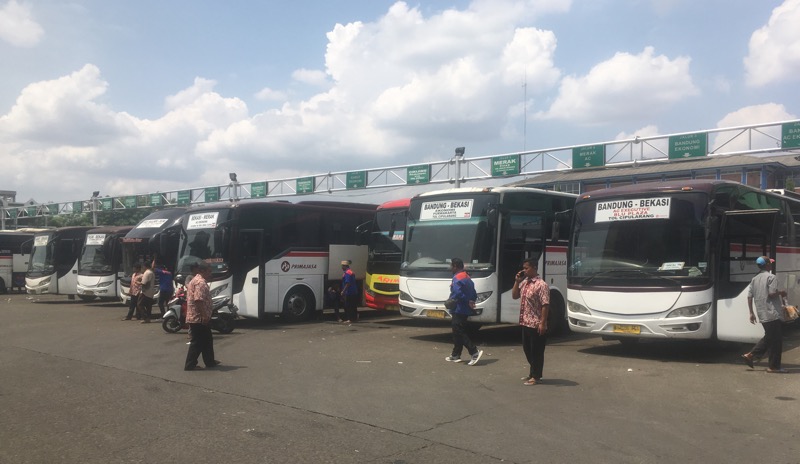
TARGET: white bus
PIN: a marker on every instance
(156, 236)
(274, 257)
(492, 230)
(15, 252)
(673, 260)
(53, 266)
(100, 263)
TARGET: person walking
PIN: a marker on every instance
(198, 316)
(534, 307)
(133, 293)
(462, 290)
(148, 293)
(165, 286)
(349, 293)
(764, 294)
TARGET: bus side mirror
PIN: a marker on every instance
(492, 216)
(362, 233)
(555, 231)
(163, 245)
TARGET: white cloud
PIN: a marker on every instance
(625, 87)
(17, 25)
(646, 131)
(749, 115)
(268, 94)
(313, 77)
(774, 53)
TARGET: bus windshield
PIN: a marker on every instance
(41, 259)
(203, 243)
(96, 256)
(616, 244)
(431, 244)
(386, 240)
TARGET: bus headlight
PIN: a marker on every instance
(483, 296)
(690, 311)
(405, 296)
(218, 290)
(578, 308)
(105, 284)
(45, 281)
(368, 291)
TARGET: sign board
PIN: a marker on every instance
(129, 202)
(211, 194)
(446, 209)
(77, 207)
(106, 204)
(305, 185)
(688, 146)
(184, 197)
(52, 208)
(13, 213)
(258, 190)
(356, 180)
(202, 221)
(632, 209)
(41, 240)
(151, 224)
(95, 239)
(32, 210)
(790, 135)
(420, 174)
(156, 199)
(590, 156)
(507, 165)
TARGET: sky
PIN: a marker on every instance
(137, 97)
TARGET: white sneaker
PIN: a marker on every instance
(453, 359)
(475, 358)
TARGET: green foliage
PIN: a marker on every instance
(789, 185)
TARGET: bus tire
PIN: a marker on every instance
(298, 305)
(557, 317)
(3, 288)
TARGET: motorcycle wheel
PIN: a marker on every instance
(171, 324)
(224, 324)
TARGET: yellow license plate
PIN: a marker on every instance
(627, 329)
(437, 313)
(88, 292)
(392, 308)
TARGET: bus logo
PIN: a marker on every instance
(285, 266)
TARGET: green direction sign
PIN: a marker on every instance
(31, 210)
(77, 207)
(211, 194)
(420, 174)
(688, 146)
(305, 185)
(356, 180)
(507, 165)
(129, 202)
(184, 197)
(52, 209)
(258, 189)
(13, 213)
(106, 204)
(156, 199)
(590, 156)
(790, 135)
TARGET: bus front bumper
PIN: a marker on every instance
(608, 326)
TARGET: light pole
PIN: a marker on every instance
(234, 185)
(458, 159)
(4, 204)
(95, 194)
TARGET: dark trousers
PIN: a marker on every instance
(163, 298)
(144, 308)
(351, 307)
(201, 343)
(133, 303)
(533, 345)
(460, 337)
(772, 342)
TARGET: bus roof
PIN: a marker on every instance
(702, 185)
(110, 230)
(70, 230)
(474, 190)
(396, 204)
(261, 203)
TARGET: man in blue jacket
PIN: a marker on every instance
(462, 290)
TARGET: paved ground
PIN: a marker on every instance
(77, 385)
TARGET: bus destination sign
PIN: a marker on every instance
(632, 209)
(446, 209)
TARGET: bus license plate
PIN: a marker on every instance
(627, 329)
(437, 313)
(392, 308)
(88, 292)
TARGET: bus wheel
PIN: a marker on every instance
(557, 318)
(3, 288)
(298, 305)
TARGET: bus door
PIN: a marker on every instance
(67, 254)
(743, 237)
(523, 237)
(251, 299)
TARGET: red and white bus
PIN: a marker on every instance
(53, 266)
(385, 240)
(274, 257)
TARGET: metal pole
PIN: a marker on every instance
(458, 160)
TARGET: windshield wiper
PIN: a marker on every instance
(628, 271)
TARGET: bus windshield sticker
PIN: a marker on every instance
(95, 239)
(202, 221)
(151, 224)
(633, 209)
(677, 266)
(41, 240)
(446, 209)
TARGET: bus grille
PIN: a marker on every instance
(387, 287)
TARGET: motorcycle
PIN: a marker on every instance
(223, 313)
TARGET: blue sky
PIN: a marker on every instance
(145, 96)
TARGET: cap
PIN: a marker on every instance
(346, 262)
(762, 260)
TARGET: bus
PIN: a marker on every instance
(384, 238)
(156, 236)
(15, 251)
(100, 264)
(493, 230)
(53, 266)
(274, 257)
(673, 260)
